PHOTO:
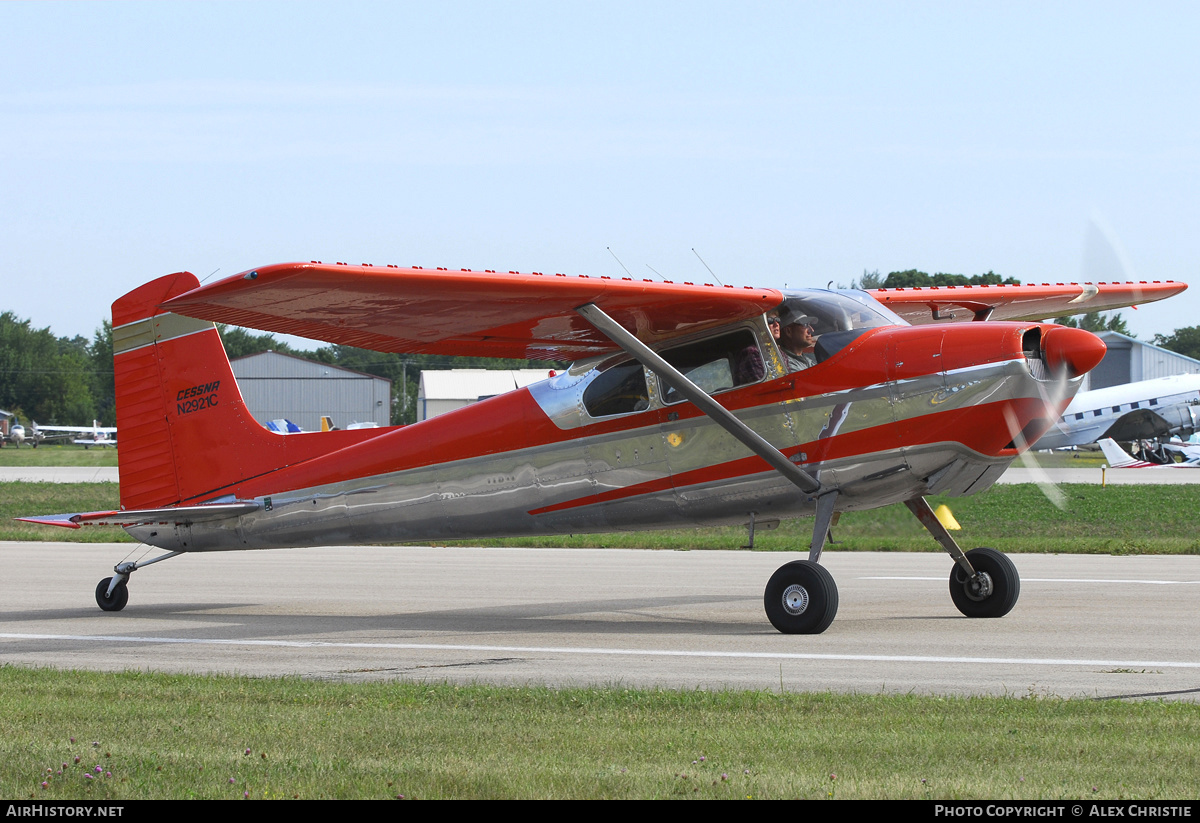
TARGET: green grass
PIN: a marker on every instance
(187, 737)
(1017, 518)
(1012, 518)
(58, 455)
(28, 499)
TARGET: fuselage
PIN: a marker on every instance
(889, 412)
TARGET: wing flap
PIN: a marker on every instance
(494, 314)
(944, 304)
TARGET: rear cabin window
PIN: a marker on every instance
(620, 389)
(718, 363)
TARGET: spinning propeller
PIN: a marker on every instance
(1064, 353)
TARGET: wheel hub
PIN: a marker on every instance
(795, 599)
(979, 586)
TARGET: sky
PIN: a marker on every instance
(789, 144)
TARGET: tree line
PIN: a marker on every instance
(69, 380)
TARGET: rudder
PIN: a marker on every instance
(185, 431)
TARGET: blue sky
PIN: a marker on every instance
(788, 143)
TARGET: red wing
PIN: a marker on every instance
(942, 304)
(491, 314)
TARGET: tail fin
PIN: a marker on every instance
(186, 433)
(1117, 457)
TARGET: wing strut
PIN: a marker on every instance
(702, 400)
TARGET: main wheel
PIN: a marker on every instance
(114, 603)
(972, 597)
(801, 598)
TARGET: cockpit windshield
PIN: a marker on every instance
(833, 311)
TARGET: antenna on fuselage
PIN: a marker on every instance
(214, 271)
(710, 271)
(660, 277)
(619, 263)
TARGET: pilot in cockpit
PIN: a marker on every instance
(797, 343)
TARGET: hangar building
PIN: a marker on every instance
(1130, 360)
(276, 385)
(444, 390)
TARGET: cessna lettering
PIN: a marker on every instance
(196, 398)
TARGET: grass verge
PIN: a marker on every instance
(58, 455)
(1011, 518)
(223, 737)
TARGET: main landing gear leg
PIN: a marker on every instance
(801, 597)
(983, 582)
(112, 593)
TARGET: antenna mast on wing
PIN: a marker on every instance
(619, 263)
(710, 271)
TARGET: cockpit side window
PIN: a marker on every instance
(718, 363)
(620, 389)
(837, 319)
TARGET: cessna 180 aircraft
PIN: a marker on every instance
(679, 410)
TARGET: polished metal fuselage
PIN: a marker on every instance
(661, 468)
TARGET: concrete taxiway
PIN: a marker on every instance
(1093, 626)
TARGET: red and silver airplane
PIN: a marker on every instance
(679, 410)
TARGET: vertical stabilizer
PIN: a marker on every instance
(180, 414)
(186, 434)
(1117, 457)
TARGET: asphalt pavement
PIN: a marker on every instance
(1092, 626)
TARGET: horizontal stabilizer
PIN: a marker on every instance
(178, 515)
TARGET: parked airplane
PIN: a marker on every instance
(1145, 410)
(95, 435)
(632, 436)
(327, 424)
(11, 430)
(1118, 458)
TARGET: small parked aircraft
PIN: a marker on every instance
(1145, 410)
(632, 436)
(1118, 458)
(11, 430)
(94, 435)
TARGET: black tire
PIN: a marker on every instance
(801, 598)
(120, 596)
(1006, 585)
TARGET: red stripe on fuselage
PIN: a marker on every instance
(979, 428)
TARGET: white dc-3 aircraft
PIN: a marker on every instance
(1145, 410)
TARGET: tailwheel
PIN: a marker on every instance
(114, 601)
(801, 598)
(992, 591)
